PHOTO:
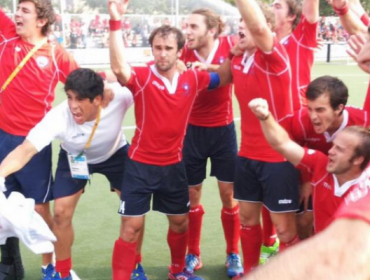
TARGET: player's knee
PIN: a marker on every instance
(286, 232)
(179, 225)
(249, 219)
(62, 217)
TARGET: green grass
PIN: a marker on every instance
(96, 221)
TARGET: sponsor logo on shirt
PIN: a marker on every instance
(42, 61)
(17, 49)
(78, 135)
(285, 201)
(155, 83)
(327, 185)
(237, 67)
(310, 152)
(186, 88)
(221, 60)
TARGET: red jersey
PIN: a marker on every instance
(300, 46)
(211, 110)
(301, 129)
(30, 94)
(356, 204)
(327, 195)
(162, 112)
(265, 76)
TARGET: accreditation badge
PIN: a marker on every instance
(78, 166)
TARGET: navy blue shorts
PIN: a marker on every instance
(275, 184)
(35, 179)
(167, 184)
(112, 169)
(218, 144)
(309, 207)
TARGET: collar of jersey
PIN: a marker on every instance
(171, 87)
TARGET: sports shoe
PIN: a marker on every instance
(138, 273)
(56, 276)
(192, 262)
(234, 265)
(184, 275)
(267, 252)
(47, 272)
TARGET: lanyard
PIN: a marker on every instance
(23, 62)
(88, 143)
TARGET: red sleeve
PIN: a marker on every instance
(356, 205)
(66, 63)
(313, 164)
(306, 33)
(365, 19)
(366, 106)
(7, 26)
(294, 125)
(136, 79)
(203, 80)
(276, 61)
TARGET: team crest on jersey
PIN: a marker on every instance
(221, 60)
(186, 88)
(42, 61)
(17, 49)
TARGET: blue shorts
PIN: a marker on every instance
(275, 184)
(218, 144)
(167, 184)
(112, 169)
(35, 179)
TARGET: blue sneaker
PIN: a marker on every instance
(192, 262)
(47, 272)
(138, 273)
(184, 275)
(56, 276)
(234, 265)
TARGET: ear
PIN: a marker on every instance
(291, 18)
(340, 108)
(358, 161)
(212, 32)
(42, 22)
(98, 100)
(179, 52)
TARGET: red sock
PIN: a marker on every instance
(137, 259)
(123, 260)
(268, 229)
(283, 246)
(251, 239)
(195, 227)
(177, 243)
(231, 224)
(64, 267)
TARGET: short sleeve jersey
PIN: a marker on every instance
(262, 75)
(302, 131)
(162, 112)
(30, 94)
(356, 205)
(327, 193)
(300, 46)
(211, 110)
(108, 137)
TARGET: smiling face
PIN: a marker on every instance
(165, 52)
(341, 155)
(197, 34)
(27, 22)
(82, 109)
(323, 116)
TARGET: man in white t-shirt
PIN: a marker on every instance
(91, 142)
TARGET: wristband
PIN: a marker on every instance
(341, 11)
(365, 19)
(265, 117)
(114, 25)
(102, 74)
(230, 56)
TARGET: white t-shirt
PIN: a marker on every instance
(108, 137)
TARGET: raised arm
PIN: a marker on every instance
(256, 23)
(350, 21)
(17, 159)
(118, 57)
(310, 10)
(277, 137)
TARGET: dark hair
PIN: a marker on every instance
(335, 88)
(85, 83)
(363, 149)
(211, 19)
(164, 31)
(44, 10)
